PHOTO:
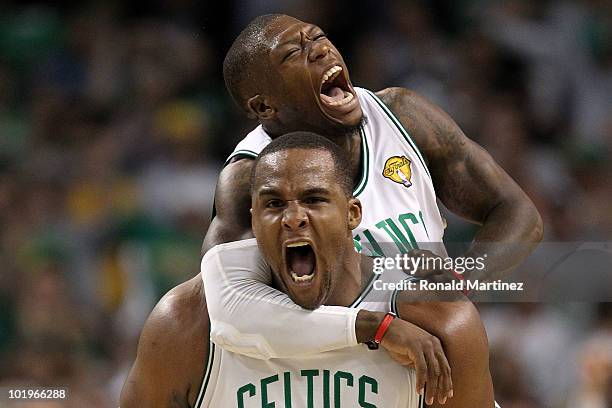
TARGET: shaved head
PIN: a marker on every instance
(240, 67)
(309, 141)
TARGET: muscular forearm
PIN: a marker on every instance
(471, 184)
(508, 235)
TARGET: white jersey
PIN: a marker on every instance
(348, 377)
(400, 211)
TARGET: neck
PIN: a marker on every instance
(355, 275)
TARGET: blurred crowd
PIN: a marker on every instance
(114, 123)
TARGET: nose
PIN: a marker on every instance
(294, 217)
(318, 50)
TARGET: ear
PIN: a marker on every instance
(259, 107)
(354, 213)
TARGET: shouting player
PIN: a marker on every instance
(303, 216)
(403, 152)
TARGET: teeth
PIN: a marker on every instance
(304, 278)
(331, 73)
(347, 98)
(297, 244)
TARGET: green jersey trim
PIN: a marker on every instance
(394, 308)
(209, 365)
(401, 129)
(365, 159)
(241, 152)
(366, 291)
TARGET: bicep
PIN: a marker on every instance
(232, 221)
(140, 389)
(171, 351)
(467, 179)
(148, 384)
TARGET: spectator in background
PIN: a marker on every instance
(98, 101)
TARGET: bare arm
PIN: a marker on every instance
(171, 352)
(471, 184)
(458, 327)
(232, 221)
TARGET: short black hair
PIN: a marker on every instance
(310, 141)
(246, 49)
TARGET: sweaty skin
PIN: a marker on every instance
(173, 348)
(466, 178)
(296, 203)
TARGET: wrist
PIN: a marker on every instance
(366, 325)
(382, 329)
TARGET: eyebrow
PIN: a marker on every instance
(268, 191)
(315, 190)
(297, 39)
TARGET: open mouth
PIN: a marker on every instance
(301, 261)
(335, 90)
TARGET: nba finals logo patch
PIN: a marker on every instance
(398, 169)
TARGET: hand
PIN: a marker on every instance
(430, 267)
(413, 347)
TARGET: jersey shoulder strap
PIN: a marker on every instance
(252, 144)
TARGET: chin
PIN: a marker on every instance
(347, 123)
(308, 303)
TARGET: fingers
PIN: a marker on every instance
(446, 381)
(433, 372)
(440, 381)
(411, 346)
(420, 367)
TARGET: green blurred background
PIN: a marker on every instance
(114, 123)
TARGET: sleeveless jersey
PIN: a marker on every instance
(395, 188)
(350, 377)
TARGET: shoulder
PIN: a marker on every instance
(181, 308)
(236, 171)
(251, 144)
(396, 97)
(177, 327)
(432, 129)
(232, 219)
(172, 349)
(232, 192)
(458, 320)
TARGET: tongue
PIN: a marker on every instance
(334, 94)
(302, 262)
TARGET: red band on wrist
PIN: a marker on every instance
(384, 326)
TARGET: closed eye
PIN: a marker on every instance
(319, 36)
(291, 52)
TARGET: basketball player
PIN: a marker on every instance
(289, 76)
(303, 214)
